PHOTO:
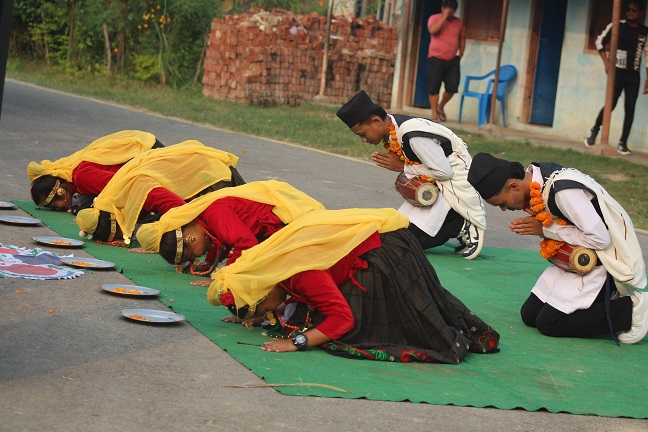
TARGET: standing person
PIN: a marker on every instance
(632, 43)
(363, 286)
(570, 209)
(421, 149)
(447, 36)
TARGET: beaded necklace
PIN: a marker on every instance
(296, 297)
(210, 269)
(393, 146)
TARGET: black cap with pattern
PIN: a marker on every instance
(488, 174)
(358, 107)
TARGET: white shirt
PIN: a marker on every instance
(564, 290)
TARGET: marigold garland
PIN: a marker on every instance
(549, 247)
(394, 147)
(537, 205)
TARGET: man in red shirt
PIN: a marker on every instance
(447, 36)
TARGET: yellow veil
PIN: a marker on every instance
(289, 204)
(315, 241)
(185, 169)
(112, 149)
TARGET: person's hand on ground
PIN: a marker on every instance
(201, 282)
(279, 345)
(141, 250)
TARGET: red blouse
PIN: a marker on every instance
(90, 178)
(319, 289)
(237, 223)
(161, 200)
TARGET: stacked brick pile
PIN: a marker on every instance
(275, 58)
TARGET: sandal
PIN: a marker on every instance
(442, 115)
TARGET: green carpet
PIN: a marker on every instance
(532, 372)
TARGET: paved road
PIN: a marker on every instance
(82, 368)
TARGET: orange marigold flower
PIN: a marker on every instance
(51, 311)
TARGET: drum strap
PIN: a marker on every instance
(609, 281)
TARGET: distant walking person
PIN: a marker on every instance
(446, 38)
(632, 42)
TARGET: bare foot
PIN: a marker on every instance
(141, 250)
(202, 282)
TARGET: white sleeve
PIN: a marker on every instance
(434, 162)
(588, 230)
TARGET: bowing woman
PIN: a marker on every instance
(155, 182)
(363, 286)
(225, 222)
(70, 183)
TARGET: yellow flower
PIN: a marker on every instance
(139, 27)
(145, 25)
(158, 6)
(116, 50)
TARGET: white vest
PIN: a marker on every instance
(623, 258)
(460, 194)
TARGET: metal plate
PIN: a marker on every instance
(87, 262)
(19, 220)
(7, 205)
(132, 290)
(152, 315)
(58, 241)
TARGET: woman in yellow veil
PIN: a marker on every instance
(70, 183)
(225, 222)
(154, 182)
(362, 286)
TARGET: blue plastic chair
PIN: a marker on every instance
(506, 74)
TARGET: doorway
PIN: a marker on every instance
(420, 44)
(545, 51)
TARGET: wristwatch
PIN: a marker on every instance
(300, 340)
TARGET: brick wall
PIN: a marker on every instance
(275, 58)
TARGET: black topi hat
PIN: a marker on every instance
(489, 174)
(358, 107)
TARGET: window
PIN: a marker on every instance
(600, 17)
(482, 19)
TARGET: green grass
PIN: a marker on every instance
(317, 126)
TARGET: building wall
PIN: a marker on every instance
(581, 82)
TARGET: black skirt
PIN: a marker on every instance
(401, 311)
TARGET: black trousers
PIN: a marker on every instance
(581, 323)
(450, 229)
(628, 82)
